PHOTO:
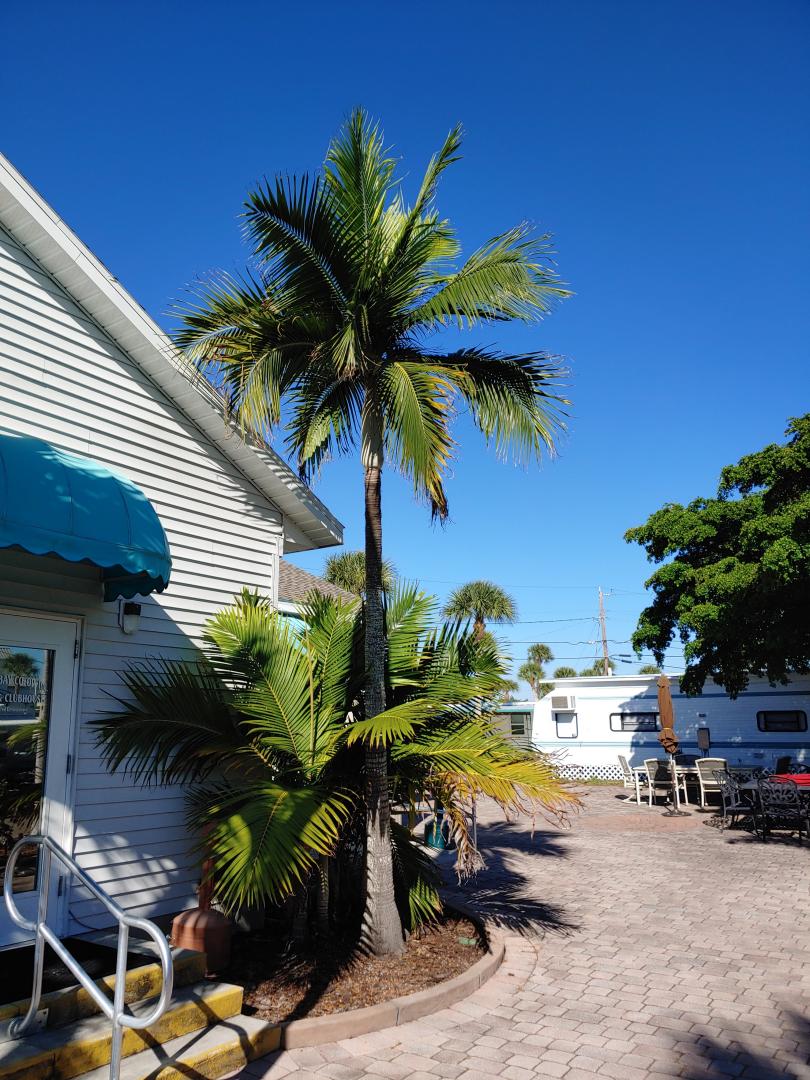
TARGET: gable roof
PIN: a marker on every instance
(39, 229)
(295, 584)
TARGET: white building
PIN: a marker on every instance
(588, 722)
(102, 414)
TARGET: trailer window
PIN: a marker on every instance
(519, 723)
(634, 721)
(782, 720)
(566, 724)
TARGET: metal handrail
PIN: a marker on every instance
(114, 1010)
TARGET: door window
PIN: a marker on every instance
(25, 692)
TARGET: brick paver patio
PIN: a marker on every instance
(639, 945)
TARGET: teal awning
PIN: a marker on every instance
(55, 503)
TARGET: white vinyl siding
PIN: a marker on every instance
(65, 381)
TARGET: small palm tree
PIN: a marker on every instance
(347, 570)
(649, 669)
(532, 670)
(337, 320)
(483, 602)
(565, 672)
(269, 733)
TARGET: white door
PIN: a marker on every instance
(37, 694)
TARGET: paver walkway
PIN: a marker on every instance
(640, 945)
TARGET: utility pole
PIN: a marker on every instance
(603, 628)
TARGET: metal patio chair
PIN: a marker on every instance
(781, 806)
(731, 798)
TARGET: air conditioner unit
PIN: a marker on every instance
(563, 703)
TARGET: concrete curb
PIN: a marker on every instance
(346, 1025)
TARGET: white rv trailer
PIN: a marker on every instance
(588, 722)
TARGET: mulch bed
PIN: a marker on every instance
(331, 979)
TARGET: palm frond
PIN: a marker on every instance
(397, 723)
(416, 878)
(416, 401)
(514, 400)
(265, 838)
(177, 724)
(292, 223)
(510, 277)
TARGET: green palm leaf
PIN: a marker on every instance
(265, 838)
(177, 724)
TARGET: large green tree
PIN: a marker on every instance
(333, 334)
(734, 579)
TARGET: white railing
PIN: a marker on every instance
(115, 1010)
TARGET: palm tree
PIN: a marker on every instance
(532, 670)
(565, 672)
(649, 669)
(347, 570)
(268, 732)
(337, 320)
(483, 602)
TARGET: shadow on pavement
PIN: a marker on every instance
(754, 1060)
(502, 891)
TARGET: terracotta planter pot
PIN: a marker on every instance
(204, 931)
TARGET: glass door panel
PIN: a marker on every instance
(25, 692)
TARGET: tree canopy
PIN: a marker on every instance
(734, 579)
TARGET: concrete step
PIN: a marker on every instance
(213, 1053)
(62, 1053)
(142, 983)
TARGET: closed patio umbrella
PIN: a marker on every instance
(667, 736)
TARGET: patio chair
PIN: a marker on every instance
(780, 807)
(731, 798)
(660, 780)
(631, 778)
(705, 773)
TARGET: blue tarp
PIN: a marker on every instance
(55, 503)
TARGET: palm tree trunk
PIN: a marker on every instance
(382, 927)
(322, 908)
(479, 628)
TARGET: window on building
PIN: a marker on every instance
(566, 724)
(634, 721)
(519, 723)
(782, 720)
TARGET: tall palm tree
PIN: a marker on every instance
(337, 320)
(532, 670)
(347, 570)
(483, 602)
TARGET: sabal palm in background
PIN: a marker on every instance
(347, 570)
(533, 671)
(337, 321)
(268, 732)
(483, 602)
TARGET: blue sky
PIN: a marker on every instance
(665, 145)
